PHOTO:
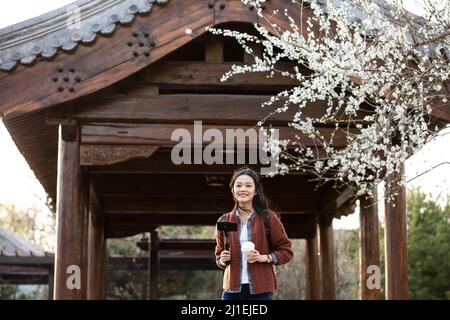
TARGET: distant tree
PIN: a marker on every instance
(291, 276)
(428, 247)
(32, 224)
(347, 264)
(7, 291)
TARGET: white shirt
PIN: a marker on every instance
(243, 238)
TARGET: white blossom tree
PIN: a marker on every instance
(382, 71)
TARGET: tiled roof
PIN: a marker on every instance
(12, 243)
(60, 29)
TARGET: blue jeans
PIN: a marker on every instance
(245, 294)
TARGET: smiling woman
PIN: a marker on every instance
(249, 272)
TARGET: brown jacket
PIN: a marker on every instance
(262, 275)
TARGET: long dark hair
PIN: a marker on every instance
(261, 203)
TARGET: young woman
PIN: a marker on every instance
(250, 275)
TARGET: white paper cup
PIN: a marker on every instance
(247, 246)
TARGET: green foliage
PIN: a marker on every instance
(428, 247)
(7, 291)
(23, 292)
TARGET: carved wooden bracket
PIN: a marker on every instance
(91, 155)
(70, 131)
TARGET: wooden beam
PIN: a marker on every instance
(369, 252)
(181, 244)
(195, 203)
(209, 74)
(166, 184)
(168, 260)
(160, 163)
(187, 108)
(41, 262)
(151, 219)
(69, 260)
(328, 265)
(298, 226)
(22, 273)
(395, 240)
(162, 135)
(312, 269)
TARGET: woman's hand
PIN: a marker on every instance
(254, 256)
(225, 257)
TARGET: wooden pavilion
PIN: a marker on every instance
(92, 110)
(23, 266)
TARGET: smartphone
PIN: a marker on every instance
(226, 226)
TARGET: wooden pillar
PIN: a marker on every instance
(369, 252)
(96, 253)
(51, 282)
(327, 261)
(312, 269)
(85, 231)
(70, 272)
(153, 265)
(395, 240)
(104, 266)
